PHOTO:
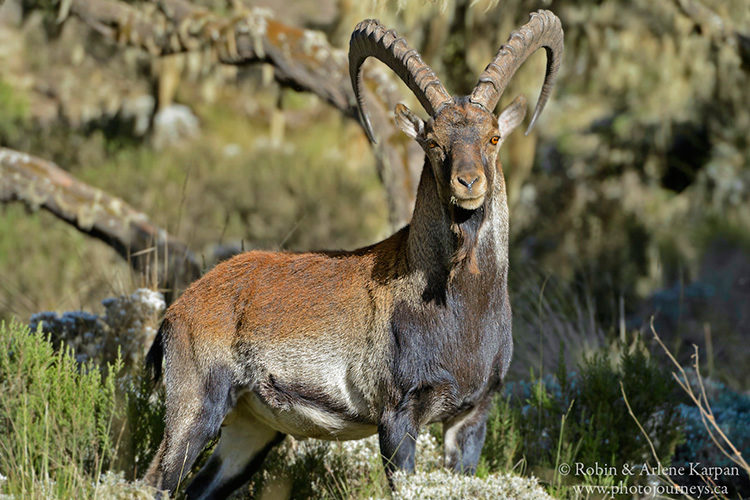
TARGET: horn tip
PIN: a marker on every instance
(367, 126)
(531, 124)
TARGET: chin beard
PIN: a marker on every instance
(465, 225)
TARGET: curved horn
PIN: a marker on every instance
(543, 30)
(370, 38)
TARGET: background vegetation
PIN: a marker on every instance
(630, 200)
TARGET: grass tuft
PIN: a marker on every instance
(56, 417)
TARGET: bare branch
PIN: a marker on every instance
(661, 475)
(700, 400)
(147, 248)
(302, 59)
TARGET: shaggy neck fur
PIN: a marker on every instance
(460, 241)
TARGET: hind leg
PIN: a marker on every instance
(243, 446)
(195, 410)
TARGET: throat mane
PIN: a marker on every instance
(465, 225)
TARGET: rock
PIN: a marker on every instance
(173, 125)
(128, 325)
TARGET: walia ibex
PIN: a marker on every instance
(341, 345)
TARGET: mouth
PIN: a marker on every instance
(468, 203)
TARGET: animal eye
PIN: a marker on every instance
(495, 139)
(432, 144)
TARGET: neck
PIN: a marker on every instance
(433, 242)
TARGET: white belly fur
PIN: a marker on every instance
(302, 420)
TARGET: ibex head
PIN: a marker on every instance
(462, 136)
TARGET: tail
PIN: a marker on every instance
(156, 353)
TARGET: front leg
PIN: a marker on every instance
(398, 439)
(464, 438)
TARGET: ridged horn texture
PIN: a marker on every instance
(370, 38)
(543, 30)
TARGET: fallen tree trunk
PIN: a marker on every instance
(302, 59)
(147, 248)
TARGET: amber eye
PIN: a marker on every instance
(495, 139)
(432, 144)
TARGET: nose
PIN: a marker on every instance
(467, 181)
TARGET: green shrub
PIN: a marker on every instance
(653, 396)
(141, 431)
(55, 417)
(503, 440)
(581, 417)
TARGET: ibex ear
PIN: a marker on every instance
(407, 121)
(511, 117)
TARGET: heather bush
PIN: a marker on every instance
(64, 423)
(141, 430)
(56, 417)
(581, 416)
(731, 411)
